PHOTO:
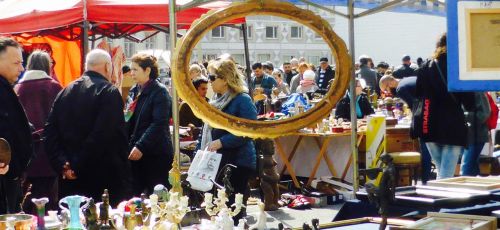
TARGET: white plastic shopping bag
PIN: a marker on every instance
(203, 168)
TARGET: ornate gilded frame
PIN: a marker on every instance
(253, 128)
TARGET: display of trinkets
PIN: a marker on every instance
(217, 208)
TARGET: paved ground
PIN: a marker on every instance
(294, 218)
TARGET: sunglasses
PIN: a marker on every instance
(212, 77)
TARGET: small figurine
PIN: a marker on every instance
(385, 193)
(261, 218)
(224, 220)
(242, 224)
(269, 176)
(227, 181)
(90, 213)
(104, 221)
(145, 211)
(315, 224)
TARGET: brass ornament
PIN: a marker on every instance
(252, 128)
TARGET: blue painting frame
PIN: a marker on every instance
(454, 83)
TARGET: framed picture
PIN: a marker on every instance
(473, 45)
(447, 221)
(362, 223)
(474, 183)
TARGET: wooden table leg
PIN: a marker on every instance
(292, 153)
(324, 147)
(349, 162)
(279, 149)
(327, 158)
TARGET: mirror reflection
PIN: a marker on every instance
(286, 75)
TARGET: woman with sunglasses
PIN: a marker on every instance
(148, 112)
(231, 98)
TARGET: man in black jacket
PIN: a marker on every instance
(324, 74)
(14, 127)
(405, 70)
(85, 135)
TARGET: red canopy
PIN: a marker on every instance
(111, 18)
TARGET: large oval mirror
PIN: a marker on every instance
(255, 128)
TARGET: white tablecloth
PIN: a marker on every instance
(307, 152)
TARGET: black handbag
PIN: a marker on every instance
(417, 118)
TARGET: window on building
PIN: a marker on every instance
(240, 59)
(218, 32)
(296, 32)
(271, 32)
(129, 48)
(287, 57)
(317, 36)
(208, 57)
(249, 32)
(313, 59)
(150, 43)
(263, 57)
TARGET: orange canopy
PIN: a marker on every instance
(66, 55)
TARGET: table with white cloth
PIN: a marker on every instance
(315, 155)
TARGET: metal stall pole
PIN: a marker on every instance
(85, 35)
(352, 93)
(174, 176)
(248, 70)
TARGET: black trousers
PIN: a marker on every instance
(10, 195)
(93, 188)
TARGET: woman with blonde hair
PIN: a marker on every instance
(231, 98)
(195, 71)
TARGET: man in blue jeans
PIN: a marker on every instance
(406, 89)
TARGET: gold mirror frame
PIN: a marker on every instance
(253, 128)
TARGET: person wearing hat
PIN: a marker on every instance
(363, 106)
(308, 84)
(324, 74)
(406, 69)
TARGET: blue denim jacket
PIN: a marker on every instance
(267, 84)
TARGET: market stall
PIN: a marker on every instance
(61, 24)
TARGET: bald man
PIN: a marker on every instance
(406, 89)
(85, 135)
(403, 88)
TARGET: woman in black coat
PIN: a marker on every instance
(444, 129)
(363, 106)
(148, 112)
